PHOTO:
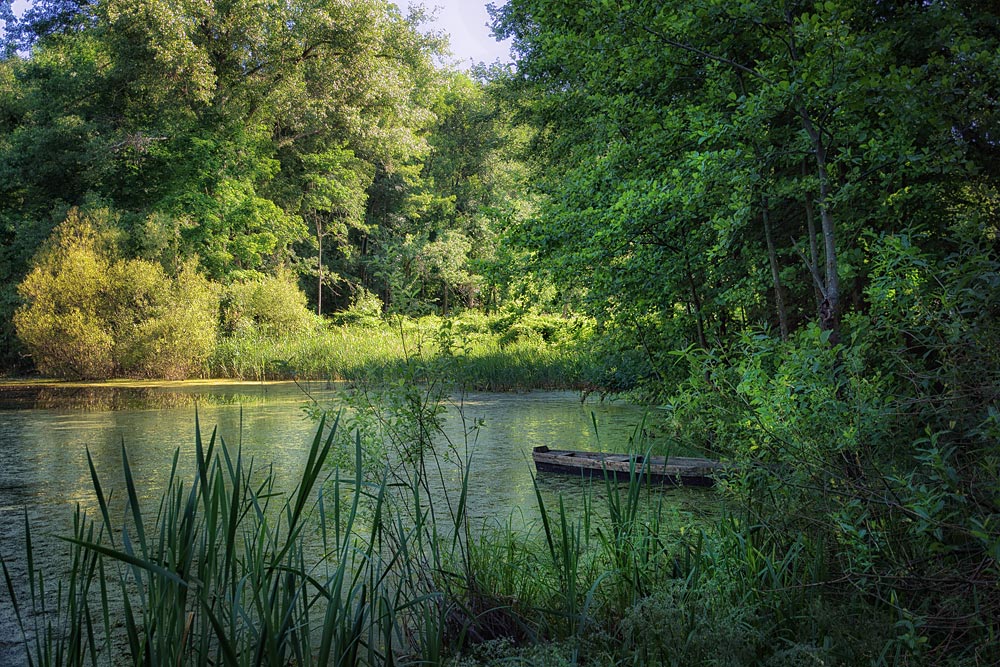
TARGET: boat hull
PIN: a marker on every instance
(674, 471)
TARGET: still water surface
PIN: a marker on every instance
(43, 464)
(44, 436)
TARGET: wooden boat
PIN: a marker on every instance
(653, 469)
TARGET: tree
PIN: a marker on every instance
(334, 200)
(202, 117)
(62, 323)
(450, 210)
(664, 127)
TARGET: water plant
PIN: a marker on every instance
(379, 563)
(228, 570)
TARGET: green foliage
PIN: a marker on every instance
(682, 625)
(681, 151)
(448, 251)
(254, 139)
(365, 349)
(709, 175)
(89, 314)
(270, 306)
(703, 177)
(62, 322)
(513, 328)
(163, 327)
(232, 135)
(881, 445)
(365, 311)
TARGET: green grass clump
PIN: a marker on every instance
(467, 347)
(230, 570)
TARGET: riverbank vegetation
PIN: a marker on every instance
(777, 221)
(374, 565)
(792, 208)
(91, 314)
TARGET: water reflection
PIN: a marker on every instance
(139, 396)
(43, 444)
(43, 464)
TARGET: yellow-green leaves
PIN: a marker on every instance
(90, 314)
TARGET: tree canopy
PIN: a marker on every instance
(720, 162)
(251, 138)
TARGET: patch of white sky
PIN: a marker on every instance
(466, 22)
(18, 6)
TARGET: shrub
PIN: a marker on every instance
(690, 626)
(270, 306)
(174, 339)
(88, 314)
(62, 322)
(517, 333)
(542, 328)
(365, 310)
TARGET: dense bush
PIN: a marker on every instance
(270, 306)
(61, 323)
(365, 309)
(89, 314)
(880, 453)
(178, 333)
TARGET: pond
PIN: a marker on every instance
(46, 431)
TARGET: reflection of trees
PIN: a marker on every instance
(111, 399)
(99, 399)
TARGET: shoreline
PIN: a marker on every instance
(19, 383)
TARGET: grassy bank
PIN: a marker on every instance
(263, 331)
(477, 351)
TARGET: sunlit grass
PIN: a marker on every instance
(475, 356)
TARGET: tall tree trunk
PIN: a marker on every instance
(772, 258)
(366, 280)
(813, 247)
(830, 307)
(319, 286)
(696, 302)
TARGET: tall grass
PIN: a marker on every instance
(378, 566)
(230, 570)
(477, 352)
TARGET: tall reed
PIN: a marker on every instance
(379, 567)
(229, 570)
(374, 353)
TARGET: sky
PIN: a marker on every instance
(464, 20)
(19, 6)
